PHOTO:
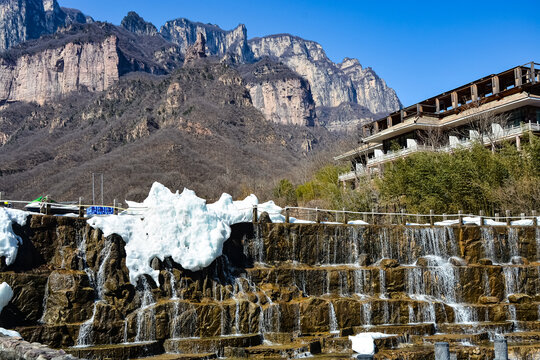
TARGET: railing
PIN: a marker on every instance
(507, 133)
(48, 208)
(298, 214)
(316, 215)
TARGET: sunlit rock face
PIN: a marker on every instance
(29, 19)
(331, 84)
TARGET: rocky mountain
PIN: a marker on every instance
(195, 127)
(279, 93)
(346, 117)
(82, 57)
(22, 20)
(136, 24)
(230, 44)
(331, 84)
(289, 79)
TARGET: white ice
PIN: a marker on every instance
(179, 225)
(357, 222)
(5, 297)
(9, 242)
(364, 343)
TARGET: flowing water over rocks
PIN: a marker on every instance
(282, 290)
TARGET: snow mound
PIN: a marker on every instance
(363, 343)
(9, 242)
(181, 226)
(357, 222)
(5, 297)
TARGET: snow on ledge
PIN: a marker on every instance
(9, 242)
(364, 344)
(181, 226)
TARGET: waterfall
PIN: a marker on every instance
(145, 314)
(485, 280)
(343, 283)
(298, 314)
(332, 319)
(382, 283)
(538, 243)
(386, 313)
(513, 242)
(85, 332)
(488, 242)
(412, 317)
(511, 280)
(366, 312)
(176, 306)
(464, 314)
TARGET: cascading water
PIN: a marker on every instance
(145, 314)
(85, 332)
(332, 318)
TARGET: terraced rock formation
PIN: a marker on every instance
(282, 290)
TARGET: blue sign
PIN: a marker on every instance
(99, 210)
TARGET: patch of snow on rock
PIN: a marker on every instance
(5, 297)
(364, 343)
(179, 225)
(9, 242)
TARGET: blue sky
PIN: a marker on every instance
(420, 48)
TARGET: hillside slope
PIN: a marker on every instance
(195, 128)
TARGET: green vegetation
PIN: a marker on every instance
(468, 179)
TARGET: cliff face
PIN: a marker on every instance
(232, 44)
(83, 57)
(347, 117)
(46, 75)
(280, 94)
(22, 20)
(136, 24)
(331, 84)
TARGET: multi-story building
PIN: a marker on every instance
(490, 110)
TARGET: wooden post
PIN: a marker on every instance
(431, 222)
(535, 218)
(364, 217)
(317, 216)
(522, 216)
(115, 207)
(255, 214)
(417, 219)
(454, 98)
(373, 216)
(460, 217)
(287, 215)
(507, 217)
(0, 196)
(518, 76)
(345, 217)
(481, 215)
(437, 105)
(495, 89)
(48, 209)
(533, 75)
(81, 208)
(389, 121)
(474, 92)
(496, 216)
(403, 217)
(444, 217)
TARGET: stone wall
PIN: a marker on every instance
(15, 348)
(303, 280)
